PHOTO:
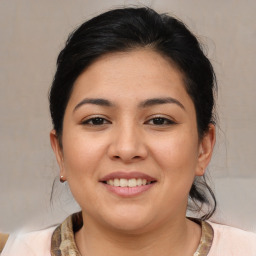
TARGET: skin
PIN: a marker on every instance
(130, 138)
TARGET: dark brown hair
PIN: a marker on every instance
(122, 30)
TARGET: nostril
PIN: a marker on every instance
(135, 157)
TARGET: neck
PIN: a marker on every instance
(180, 237)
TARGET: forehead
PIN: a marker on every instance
(134, 74)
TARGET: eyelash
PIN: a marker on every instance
(162, 121)
(95, 119)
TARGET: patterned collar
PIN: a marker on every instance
(63, 239)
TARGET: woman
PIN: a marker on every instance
(133, 132)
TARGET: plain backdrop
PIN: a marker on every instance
(31, 35)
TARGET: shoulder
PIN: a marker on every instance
(37, 243)
(232, 241)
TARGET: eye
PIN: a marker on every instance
(97, 121)
(160, 121)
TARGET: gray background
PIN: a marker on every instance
(32, 34)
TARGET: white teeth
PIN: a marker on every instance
(128, 182)
(123, 183)
(116, 182)
(132, 183)
(139, 182)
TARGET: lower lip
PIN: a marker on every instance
(127, 191)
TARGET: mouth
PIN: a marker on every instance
(128, 184)
(131, 183)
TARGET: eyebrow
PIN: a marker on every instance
(160, 101)
(99, 102)
(144, 104)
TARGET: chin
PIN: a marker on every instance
(130, 221)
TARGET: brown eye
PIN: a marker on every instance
(160, 121)
(95, 121)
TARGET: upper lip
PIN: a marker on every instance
(127, 175)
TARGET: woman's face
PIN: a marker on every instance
(130, 121)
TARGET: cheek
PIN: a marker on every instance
(176, 154)
(82, 161)
(177, 160)
(82, 155)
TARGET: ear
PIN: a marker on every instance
(57, 151)
(205, 150)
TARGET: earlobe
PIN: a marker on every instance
(57, 150)
(205, 150)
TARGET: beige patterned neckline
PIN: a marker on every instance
(63, 239)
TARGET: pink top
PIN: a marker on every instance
(227, 241)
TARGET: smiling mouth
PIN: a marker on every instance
(128, 184)
(131, 183)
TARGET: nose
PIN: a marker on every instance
(127, 145)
